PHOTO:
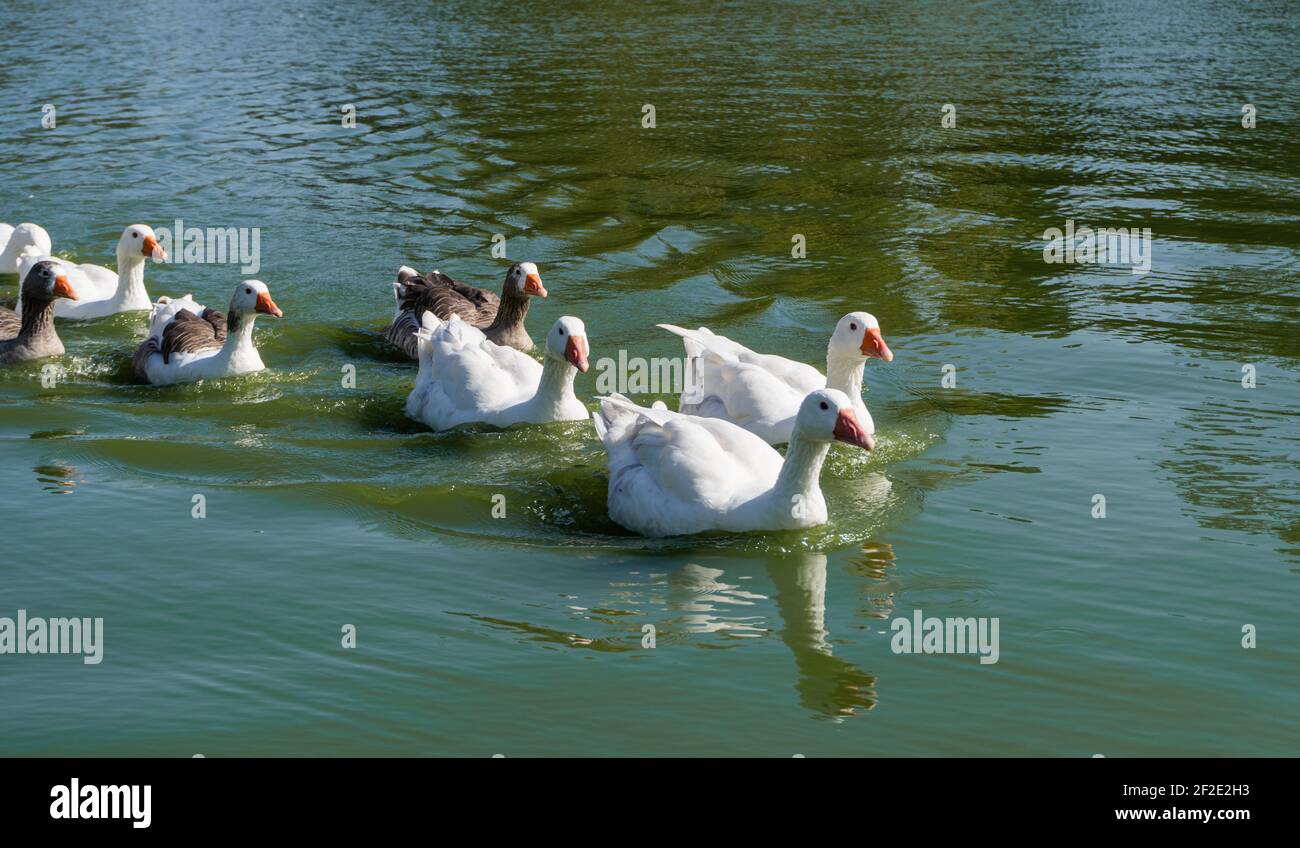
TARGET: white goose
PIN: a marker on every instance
(106, 292)
(464, 378)
(673, 474)
(14, 240)
(188, 342)
(762, 392)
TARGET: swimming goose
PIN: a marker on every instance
(673, 474)
(188, 342)
(13, 240)
(500, 318)
(762, 392)
(103, 292)
(32, 336)
(464, 377)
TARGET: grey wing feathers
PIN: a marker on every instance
(443, 296)
(401, 334)
(483, 302)
(437, 293)
(140, 361)
(187, 333)
(10, 324)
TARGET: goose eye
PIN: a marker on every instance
(824, 406)
(561, 331)
(853, 326)
(135, 235)
(248, 291)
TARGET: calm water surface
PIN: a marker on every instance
(522, 635)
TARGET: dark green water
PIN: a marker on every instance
(522, 635)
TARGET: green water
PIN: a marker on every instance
(522, 635)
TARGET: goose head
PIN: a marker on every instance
(567, 342)
(827, 415)
(857, 335)
(28, 237)
(138, 243)
(523, 279)
(45, 282)
(253, 297)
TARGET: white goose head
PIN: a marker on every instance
(856, 336)
(138, 243)
(252, 297)
(827, 415)
(28, 237)
(567, 342)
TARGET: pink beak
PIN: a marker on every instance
(576, 352)
(533, 286)
(873, 344)
(267, 306)
(63, 289)
(847, 429)
(152, 248)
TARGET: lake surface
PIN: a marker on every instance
(523, 635)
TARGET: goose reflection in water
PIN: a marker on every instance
(707, 604)
(699, 603)
(827, 685)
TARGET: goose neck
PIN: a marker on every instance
(845, 374)
(511, 312)
(130, 282)
(801, 471)
(239, 334)
(556, 386)
(37, 321)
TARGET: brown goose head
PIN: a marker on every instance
(523, 280)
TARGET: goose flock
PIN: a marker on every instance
(708, 467)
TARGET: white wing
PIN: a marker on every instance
(86, 288)
(758, 392)
(468, 378)
(672, 473)
(799, 376)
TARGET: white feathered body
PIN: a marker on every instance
(677, 474)
(100, 291)
(464, 378)
(757, 391)
(237, 356)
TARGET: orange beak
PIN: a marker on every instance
(62, 289)
(267, 306)
(576, 352)
(151, 248)
(848, 430)
(533, 285)
(873, 344)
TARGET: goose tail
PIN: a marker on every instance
(598, 422)
(695, 341)
(424, 348)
